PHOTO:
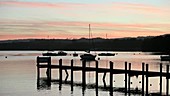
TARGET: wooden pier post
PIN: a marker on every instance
(125, 77)
(97, 66)
(84, 74)
(38, 73)
(160, 79)
(72, 75)
(46, 60)
(129, 78)
(111, 78)
(147, 81)
(38, 69)
(60, 72)
(104, 82)
(167, 80)
(143, 79)
(49, 69)
(66, 75)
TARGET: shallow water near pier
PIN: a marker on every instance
(18, 74)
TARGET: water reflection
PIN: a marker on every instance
(19, 66)
(45, 84)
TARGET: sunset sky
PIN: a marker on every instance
(22, 19)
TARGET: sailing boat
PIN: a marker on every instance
(88, 56)
(106, 54)
(75, 54)
(165, 58)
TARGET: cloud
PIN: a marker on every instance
(29, 4)
(136, 6)
(81, 25)
(44, 4)
(73, 29)
(119, 6)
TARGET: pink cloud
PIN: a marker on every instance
(82, 24)
(72, 29)
(105, 6)
(37, 36)
(29, 4)
(136, 6)
(45, 4)
(107, 25)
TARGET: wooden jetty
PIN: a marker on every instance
(45, 62)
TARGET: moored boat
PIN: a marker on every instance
(165, 58)
(51, 53)
(75, 54)
(106, 54)
(88, 57)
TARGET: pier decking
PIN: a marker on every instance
(45, 62)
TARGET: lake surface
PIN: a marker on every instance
(18, 74)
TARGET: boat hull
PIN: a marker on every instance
(106, 54)
(54, 54)
(165, 58)
(88, 57)
(75, 55)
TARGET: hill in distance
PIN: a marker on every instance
(148, 43)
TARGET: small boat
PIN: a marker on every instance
(106, 54)
(165, 58)
(88, 57)
(50, 53)
(75, 54)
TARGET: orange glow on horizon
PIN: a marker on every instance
(62, 20)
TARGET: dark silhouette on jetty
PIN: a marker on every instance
(45, 62)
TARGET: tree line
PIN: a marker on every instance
(150, 43)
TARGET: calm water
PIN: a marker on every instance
(18, 74)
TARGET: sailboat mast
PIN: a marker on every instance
(106, 35)
(89, 31)
(89, 38)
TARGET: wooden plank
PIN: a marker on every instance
(43, 59)
(102, 70)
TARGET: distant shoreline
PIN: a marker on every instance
(143, 44)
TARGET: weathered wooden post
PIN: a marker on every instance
(49, 69)
(129, 78)
(46, 60)
(125, 77)
(104, 82)
(97, 66)
(147, 81)
(111, 78)
(66, 75)
(38, 73)
(160, 79)
(143, 79)
(38, 69)
(84, 74)
(60, 72)
(72, 75)
(167, 80)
